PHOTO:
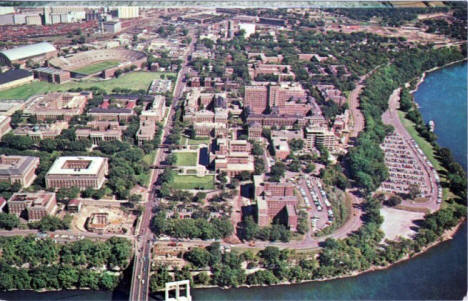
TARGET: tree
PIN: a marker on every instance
(277, 171)
(198, 257)
(393, 201)
(67, 194)
(8, 221)
(413, 191)
(135, 198)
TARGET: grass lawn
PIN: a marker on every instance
(192, 182)
(425, 146)
(98, 66)
(149, 158)
(186, 159)
(196, 141)
(133, 80)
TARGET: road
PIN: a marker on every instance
(139, 290)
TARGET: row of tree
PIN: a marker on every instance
(83, 263)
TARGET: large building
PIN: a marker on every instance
(32, 206)
(111, 114)
(320, 137)
(38, 132)
(52, 75)
(56, 106)
(233, 157)
(261, 98)
(20, 55)
(81, 172)
(112, 26)
(98, 131)
(14, 78)
(18, 169)
(276, 201)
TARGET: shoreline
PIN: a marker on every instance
(446, 236)
(423, 76)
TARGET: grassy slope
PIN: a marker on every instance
(133, 80)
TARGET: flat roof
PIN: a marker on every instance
(12, 75)
(26, 51)
(92, 169)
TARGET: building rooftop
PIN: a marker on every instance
(110, 110)
(26, 51)
(15, 165)
(12, 75)
(68, 165)
(50, 70)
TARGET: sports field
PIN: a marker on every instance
(186, 158)
(97, 67)
(192, 182)
(133, 80)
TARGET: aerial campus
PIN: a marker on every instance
(177, 148)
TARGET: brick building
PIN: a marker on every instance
(111, 114)
(233, 157)
(255, 130)
(81, 172)
(277, 202)
(52, 75)
(33, 205)
(260, 98)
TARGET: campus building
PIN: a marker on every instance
(261, 98)
(98, 131)
(32, 205)
(81, 172)
(319, 137)
(110, 114)
(58, 106)
(233, 157)
(276, 201)
(18, 169)
(38, 132)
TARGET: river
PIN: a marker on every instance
(440, 273)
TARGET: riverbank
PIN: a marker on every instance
(446, 236)
(423, 76)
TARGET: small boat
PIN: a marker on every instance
(431, 124)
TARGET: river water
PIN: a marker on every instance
(439, 274)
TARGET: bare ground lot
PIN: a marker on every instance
(120, 222)
(399, 222)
